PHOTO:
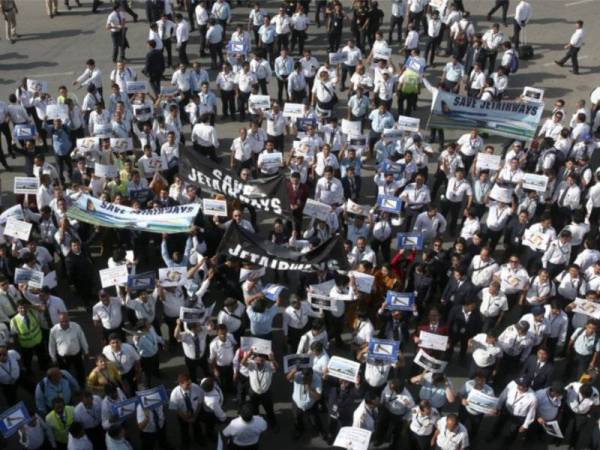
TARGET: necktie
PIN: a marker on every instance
(561, 200)
(188, 402)
(196, 346)
(395, 330)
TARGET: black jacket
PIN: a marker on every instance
(458, 294)
(459, 327)
(540, 378)
(155, 64)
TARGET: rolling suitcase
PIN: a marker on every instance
(525, 50)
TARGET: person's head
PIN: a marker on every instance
(63, 320)
(116, 432)
(542, 354)
(523, 383)
(184, 381)
(114, 340)
(579, 24)
(246, 412)
(58, 405)
(591, 327)
(522, 327)
(54, 375)
(451, 422)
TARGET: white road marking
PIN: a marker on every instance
(580, 2)
(47, 75)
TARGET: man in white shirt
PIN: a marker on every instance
(450, 434)
(492, 39)
(430, 224)
(261, 369)
(522, 17)
(182, 35)
(458, 189)
(204, 138)
(186, 400)
(68, 346)
(116, 25)
(244, 431)
(573, 47)
(516, 406)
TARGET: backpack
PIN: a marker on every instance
(514, 62)
(461, 37)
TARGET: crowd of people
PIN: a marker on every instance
(511, 285)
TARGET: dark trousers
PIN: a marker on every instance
(74, 364)
(516, 33)
(386, 423)
(64, 163)
(96, 437)
(298, 96)
(293, 338)
(283, 41)
(167, 47)
(203, 29)
(216, 53)
(572, 53)
(157, 440)
(300, 38)
(242, 104)
(411, 103)
(500, 4)
(5, 130)
(416, 18)
(208, 151)
(335, 327)
(185, 430)
(451, 211)
(228, 101)
(396, 23)
(313, 416)
(182, 53)
(472, 422)
(150, 366)
(491, 57)
(193, 365)
(345, 71)
(507, 427)
(384, 246)
(281, 88)
(432, 45)
(269, 50)
(226, 378)
(118, 41)
(155, 84)
(263, 85)
(40, 351)
(335, 40)
(266, 401)
(420, 442)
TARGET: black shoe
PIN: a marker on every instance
(78, 3)
(558, 63)
(135, 18)
(69, 7)
(8, 168)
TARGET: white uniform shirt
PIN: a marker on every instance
(124, 359)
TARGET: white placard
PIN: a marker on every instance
(260, 102)
(37, 86)
(323, 288)
(501, 194)
(351, 127)
(136, 87)
(438, 5)
(15, 211)
(337, 58)
(212, 207)
(50, 279)
(121, 145)
(153, 164)
(113, 276)
(535, 182)
(355, 208)
(485, 161)
(353, 438)
(364, 281)
(33, 278)
(320, 301)
(482, 403)
(88, 144)
(140, 112)
(57, 112)
(251, 274)
(296, 361)
(318, 210)
(192, 315)
(26, 185)
(343, 368)
(17, 229)
(106, 170)
(408, 123)
(172, 276)
(429, 363)
(433, 341)
(533, 95)
(260, 346)
(293, 110)
(271, 160)
(586, 307)
(382, 53)
(169, 91)
(553, 429)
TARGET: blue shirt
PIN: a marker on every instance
(262, 323)
(283, 67)
(345, 163)
(358, 106)
(46, 391)
(61, 143)
(300, 395)
(381, 121)
(267, 34)
(147, 345)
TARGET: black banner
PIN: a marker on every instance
(250, 247)
(267, 194)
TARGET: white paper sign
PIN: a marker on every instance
(485, 161)
(192, 315)
(26, 185)
(271, 160)
(57, 112)
(120, 145)
(106, 170)
(501, 194)
(382, 53)
(535, 182)
(172, 276)
(533, 95)
(141, 112)
(343, 368)
(353, 438)
(260, 346)
(583, 306)
(553, 429)
(33, 278)
(153, 164)
(483, 403)
(113, 276)
(316, 209)
(212, 207)
(364, 281)
(337, 58)
(351, 127)
(260, 102)
(296, 361)
(136, 87)
(408, 123)
(37, 86)
(18, 229)
(433, 341)
(293, 110)
(320, 301)
(355, 208)
(88, 144)
(323, 288)
(429, 363)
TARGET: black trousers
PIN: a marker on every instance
(228, 101)
(507, 427)
(168, 47)
(451, 211)
(41, 351)
(150, 366)
(216, 53)
(226, 378)
(203, 29)
(262, 83)
(74, 364)
(491, 57)
(182, 53)
(208, 151)
(345, 71)
(158, 440)
(472, 422)
(186, 429)
(516, 33)
(281, 88)
(298, 96)
(396, 23)
(298, 36)
(432, 45)
(283, 41)
(242, 104)
(266, 401)
(313, 417)
(118, 42)
(500, 4)
(155, 84)
(571, 54)
(193, 365)
(335, 40)
(411, 103)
